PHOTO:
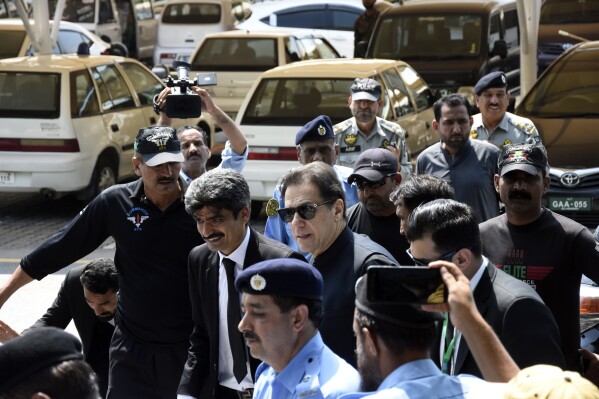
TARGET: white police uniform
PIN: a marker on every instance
(512, 129)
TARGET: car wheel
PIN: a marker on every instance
(103, 176)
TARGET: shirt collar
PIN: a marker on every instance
(295, 369)
(238, 256)
(187, 179)
(479, 273)
(413, 370)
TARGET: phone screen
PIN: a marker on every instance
(406, 284)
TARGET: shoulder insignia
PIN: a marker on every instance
(525, 127)
(341, 126)
(507, 142)
(385, 144)
(473, 134)
(271, 207)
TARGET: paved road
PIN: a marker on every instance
(26, 220)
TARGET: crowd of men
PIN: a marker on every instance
(198, 304)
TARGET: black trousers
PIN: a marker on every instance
(139, 370)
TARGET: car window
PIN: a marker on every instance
(313, 18)
(397, 92)
(144, 83)
(512, 34)
(235, 54)
(31, 95)
(114, 93)
(494, 30)
(11, 43)
(106, 13)
(570, 87)
(294, 101)
(75, 11)
(569, 11)
(191, 13)
(84, 101)
(8, 9)
(422, 94)
(429, 36)
(143, 9)
(294, 51)
(317, 48)
(69, 41)
(343, 19)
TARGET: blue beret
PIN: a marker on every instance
(495, 79)
(319, 128)
(395, 313)
(284, 277)
(34, 351)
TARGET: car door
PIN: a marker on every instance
(122, 118)
(107, 21)
(146, 27)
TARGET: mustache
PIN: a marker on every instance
(519, 195)
(166, 180)
(214, 235)
(250, 335)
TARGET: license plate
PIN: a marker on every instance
(570, 204)
(7, 178)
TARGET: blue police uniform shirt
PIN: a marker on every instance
(278, 230)
(421, 379)
(229, 160)
(315, 372)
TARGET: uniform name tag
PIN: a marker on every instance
(355, 148)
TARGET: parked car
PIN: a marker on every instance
(579, 18)
(283, 99)
(564, 106)
(333, 19)
(452, 44)
(184, 23)
(17, 43)
(239, 57)
(8, 9)
(68, 123)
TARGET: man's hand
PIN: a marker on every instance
(6, 332)
(160, 101)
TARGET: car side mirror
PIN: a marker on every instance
(162, 71)
(500, 48)
(360, 50)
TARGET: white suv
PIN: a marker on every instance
(68, 123)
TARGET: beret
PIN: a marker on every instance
(403, 315)
(35, 351)
(283, 277)
(495, 79)
(525, 157)
(319, 128)
(374, 164)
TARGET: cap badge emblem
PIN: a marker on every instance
(321, 130)
(160, 139)
(271, 207)
(257, 282)
(350, 139)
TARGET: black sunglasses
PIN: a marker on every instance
(363, 183)
(425, 262)
(306, 212)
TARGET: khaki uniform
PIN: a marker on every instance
(352, 142)
(512, 129)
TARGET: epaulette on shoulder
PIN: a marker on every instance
(392, 127)
(342, 126)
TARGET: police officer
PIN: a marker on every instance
(282, 305)
(366, 130)
(494, 124)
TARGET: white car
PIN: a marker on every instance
(285, 98)
(333, 19)
(184, 23)
(68, 122)
(16, 42)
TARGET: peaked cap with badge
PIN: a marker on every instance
(319, 128)
(285, 277)
(158, 145)
(525, 157)
(365, 89)
(493, 80)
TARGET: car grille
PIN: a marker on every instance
(588, 183)
(591, 181)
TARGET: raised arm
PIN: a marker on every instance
(17, 280)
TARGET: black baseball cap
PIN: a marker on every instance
(529, 158)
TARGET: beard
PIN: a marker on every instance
(105, 316)
(364, 115)
(371, 377)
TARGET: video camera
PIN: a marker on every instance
(182, 102)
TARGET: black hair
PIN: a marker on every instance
(315, 308)
(99, 276)
(419, 189)
(451, 100)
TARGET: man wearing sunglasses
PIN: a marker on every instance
(448, 230)
(315, 211)
(315, 142)
(376, 176)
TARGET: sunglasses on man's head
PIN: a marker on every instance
(425, 262)
(306, 212)
(363, 183)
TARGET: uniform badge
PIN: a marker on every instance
(507, 142)
(385, 143)
(473, 134)
(137, 216)
(271, 207)
(350, 139)
(321, 130)
(257, 282)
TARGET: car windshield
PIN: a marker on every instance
(569, 11)
(11, 43)
(191, 13)
(236, 54)
(31, 95)
(570, 87)
(291, 102)
(432, 37)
